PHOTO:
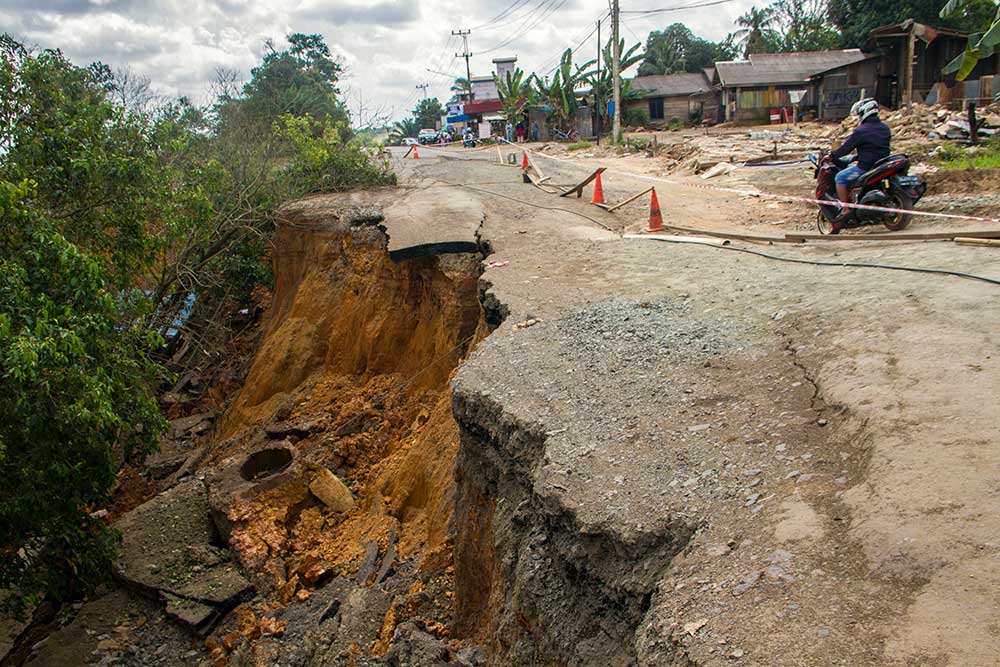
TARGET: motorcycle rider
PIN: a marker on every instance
(871, 138)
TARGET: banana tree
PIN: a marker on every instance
(601, 80)
(980, 46)
(560, 92)
(512, 88)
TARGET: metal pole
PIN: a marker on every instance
(616, 126)
(597, 87)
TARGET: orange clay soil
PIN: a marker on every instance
(362, 348)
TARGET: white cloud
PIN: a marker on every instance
(387, 46)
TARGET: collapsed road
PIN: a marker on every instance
(524, 440)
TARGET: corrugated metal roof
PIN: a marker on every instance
(665, 85)
(764, 69)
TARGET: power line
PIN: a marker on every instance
(678, 8)
(548, 67)
(573, 51)
(545, 9)
(502, 15)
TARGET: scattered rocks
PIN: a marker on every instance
(748, 582)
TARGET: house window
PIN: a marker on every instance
(656, 109)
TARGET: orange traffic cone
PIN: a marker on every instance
(655, 219)
(524, 160)
(416, 155)
(598, 191)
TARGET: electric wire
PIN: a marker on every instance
(548, 7)
(679, 8)
(579, 45)
(502, 15)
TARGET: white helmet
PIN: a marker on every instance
(865, 108)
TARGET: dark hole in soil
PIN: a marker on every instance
(265, 463)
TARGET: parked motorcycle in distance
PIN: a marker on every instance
(887, 185)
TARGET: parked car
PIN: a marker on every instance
(427, 136)
(410, 141)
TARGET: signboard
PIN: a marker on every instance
(456, 109)
(484, 130)
(795, 96)
(611, 107)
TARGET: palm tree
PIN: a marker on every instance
(755, 33)
(408, 127)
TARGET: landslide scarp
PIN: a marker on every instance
(347, 394)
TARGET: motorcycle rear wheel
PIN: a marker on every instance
(903, 202)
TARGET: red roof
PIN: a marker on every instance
(485, 106)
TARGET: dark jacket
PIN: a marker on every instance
(872, 140)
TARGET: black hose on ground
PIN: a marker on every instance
(859, 265)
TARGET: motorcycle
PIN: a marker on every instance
(887, 185)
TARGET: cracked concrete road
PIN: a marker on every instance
(843, 497)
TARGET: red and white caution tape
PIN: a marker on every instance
(767, 195)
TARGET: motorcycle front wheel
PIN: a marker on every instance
(903, 202)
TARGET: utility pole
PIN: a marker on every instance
(597, 88)
(424, 86)
(616, 126)
(464, 34)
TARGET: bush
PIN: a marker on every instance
(637, 143)
(579, 146)
(635, 117)
(76, 397)
(323, 162)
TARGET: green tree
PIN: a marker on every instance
(94, 161)
(300, 80)
(756, 33)
(428, 112)
(76, 397)
(677, 49)
(804, 25)
(855, 19)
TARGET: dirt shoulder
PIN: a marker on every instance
(856, 398)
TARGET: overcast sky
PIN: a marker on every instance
(385, 45)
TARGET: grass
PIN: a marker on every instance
(989, 160)
(952, 157)
(579, 146)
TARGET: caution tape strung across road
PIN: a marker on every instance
(767, 195)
